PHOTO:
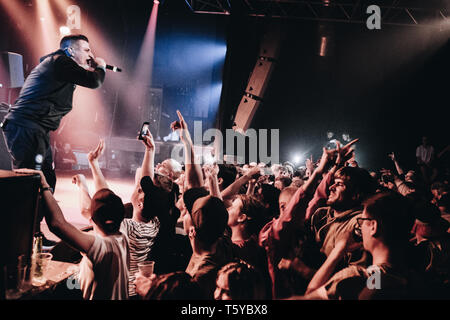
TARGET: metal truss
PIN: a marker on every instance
(393, 12)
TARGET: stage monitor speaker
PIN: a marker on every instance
(244, 115)
(12, 66)
(19, 202)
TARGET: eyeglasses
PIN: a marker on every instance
(359, 221)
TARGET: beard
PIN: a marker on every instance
(341, 204)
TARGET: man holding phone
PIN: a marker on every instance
(46, 97)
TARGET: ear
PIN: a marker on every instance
(192, 232)
(242, 217)
(373, 227)
(220, 181)
(69, 51)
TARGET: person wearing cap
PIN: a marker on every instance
(104, 267)
(149, 203)
(205, 225)
(204, 222)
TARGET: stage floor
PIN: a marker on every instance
(67, 195)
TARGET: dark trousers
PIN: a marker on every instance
(25, 144)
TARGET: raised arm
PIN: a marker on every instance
(397, 166)
(342, 154)
(322, 189)
(296, 210)
(309, 166)
(234, 188)
(148, 163)
(344, 244)
(251, 187)
(55, 219)
(193, 170)
(97, 175)
(83, 194)
(211, 172)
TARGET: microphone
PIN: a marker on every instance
(113, 68)
(91, 61)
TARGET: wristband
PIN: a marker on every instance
(45, 189)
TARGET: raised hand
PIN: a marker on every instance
(344, 153)
(327, 156)
(148, 141)
(211, 170)
(79, 180)
(93, 155)
(254, 172)
(391, 156)
(181, 125)
(309, 164)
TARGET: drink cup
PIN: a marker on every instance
(40, 265)
(146, 268)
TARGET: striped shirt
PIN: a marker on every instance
(141, 238)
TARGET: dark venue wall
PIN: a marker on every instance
(386, 87)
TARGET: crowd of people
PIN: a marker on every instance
(330, 230)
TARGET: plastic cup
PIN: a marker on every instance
(146, 268)
(39, 269)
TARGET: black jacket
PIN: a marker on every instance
(47, 93)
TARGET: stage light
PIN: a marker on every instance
(155, 1)
(42, 19)
(297, 158)
(323, 46)
(64, 30)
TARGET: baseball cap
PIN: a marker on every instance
(209, 218)
(191, 195)
(107, 210)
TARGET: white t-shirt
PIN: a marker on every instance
(104, 269)
(425, 153)
(141, 237)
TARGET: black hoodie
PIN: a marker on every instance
(47, 93)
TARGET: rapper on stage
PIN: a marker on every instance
(45, 98)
